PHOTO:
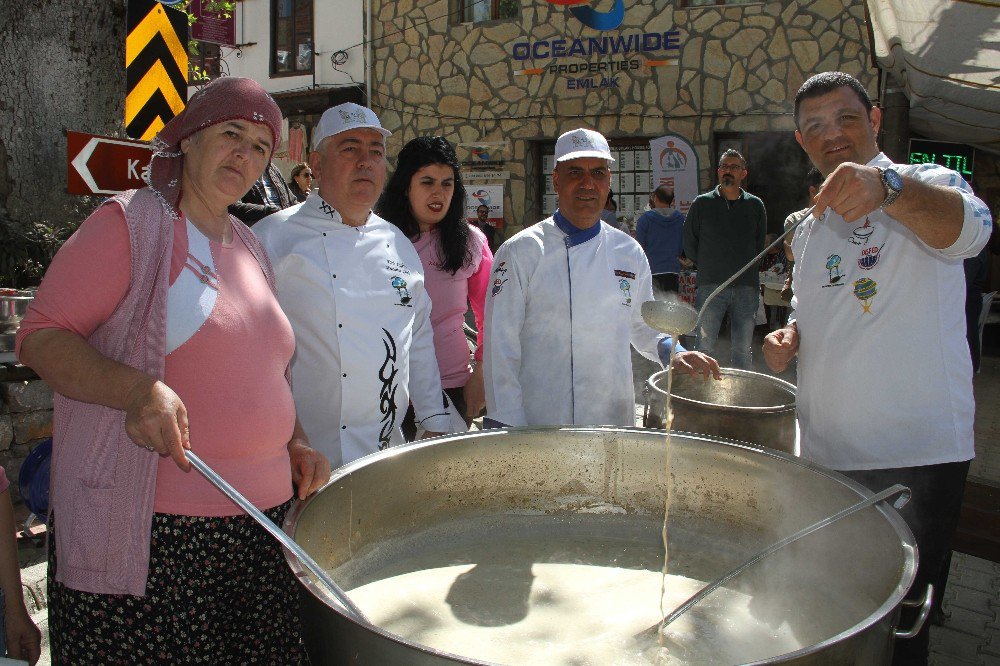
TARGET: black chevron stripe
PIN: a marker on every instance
(156, 106)
(137, 10)
(155, 50)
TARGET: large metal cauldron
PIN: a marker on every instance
(743, 406)
(837, 590)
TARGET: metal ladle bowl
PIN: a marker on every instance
(675, 317)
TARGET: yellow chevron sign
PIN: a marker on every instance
(156, 67)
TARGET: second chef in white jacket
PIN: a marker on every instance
(352, 286)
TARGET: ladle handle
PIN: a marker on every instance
(350, 607)
(896, 489)
(750, 263)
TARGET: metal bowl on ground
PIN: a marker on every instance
(497, 509)
(744, 406)
(12, 310)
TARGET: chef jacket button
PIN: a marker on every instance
(324, 234)
(340, 326)
(343, 427)
(345, 374)
(334, 275)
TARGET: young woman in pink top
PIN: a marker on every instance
(425, 198)
(158, 328)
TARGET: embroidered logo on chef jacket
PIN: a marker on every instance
(396, 267)
(624, 274)
(833, 268)
(387, 393)
(626, 288)
(861, 234)
(328, 209)
(865, 290)
(869, 257)
(399, 284)
(500, 269)
(498, 286)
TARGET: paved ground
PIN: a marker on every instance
(970, 633)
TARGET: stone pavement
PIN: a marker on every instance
(971, 631)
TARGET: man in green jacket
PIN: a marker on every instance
(724, 229)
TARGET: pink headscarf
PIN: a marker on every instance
(227, 98)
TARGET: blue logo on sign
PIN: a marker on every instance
(593, 18)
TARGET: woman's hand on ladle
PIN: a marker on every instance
(781, 346)
(696, 363)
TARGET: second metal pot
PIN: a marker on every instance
(744, 406)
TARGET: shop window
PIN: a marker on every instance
(477, 11)
(292, 37)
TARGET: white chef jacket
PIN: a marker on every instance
(363, 340)
(884, 374)
(560, 315)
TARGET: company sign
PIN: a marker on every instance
(581, 60)
(675, 164)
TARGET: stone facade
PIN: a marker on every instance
(735, 69)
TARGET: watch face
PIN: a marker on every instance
(893, 180)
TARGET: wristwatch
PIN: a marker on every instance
(892, 183)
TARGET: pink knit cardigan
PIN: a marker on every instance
(103, 484)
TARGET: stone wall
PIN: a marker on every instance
(737, 70)
(25, 418)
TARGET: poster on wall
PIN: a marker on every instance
(484, 205)
(675, 164)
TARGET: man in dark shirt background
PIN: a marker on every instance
(723, 231)
(268, 195)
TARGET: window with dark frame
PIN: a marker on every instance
(206, 62)
(291, 37)
(478, 11)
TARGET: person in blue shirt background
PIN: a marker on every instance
(660, 232)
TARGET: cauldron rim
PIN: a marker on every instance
(892, 601)
(740, 409)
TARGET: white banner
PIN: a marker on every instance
(489, 198)
(675, 164)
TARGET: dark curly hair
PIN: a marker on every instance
(827, 82)
(394, 204)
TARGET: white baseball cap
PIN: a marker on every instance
(344, 117)
(582, 143)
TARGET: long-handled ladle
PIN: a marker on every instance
(675, 317)
(897, 489)
(349, 607)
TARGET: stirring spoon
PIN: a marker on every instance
(335, 590)
(675, 317)
(896, 489)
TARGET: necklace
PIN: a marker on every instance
(202, 271)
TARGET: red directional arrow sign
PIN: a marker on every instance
(104, 165)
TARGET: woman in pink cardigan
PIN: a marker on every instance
(158, 328)
(425, 198)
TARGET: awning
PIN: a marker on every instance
(946, 53)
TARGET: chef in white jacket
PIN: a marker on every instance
(352, 286)
(564, 306)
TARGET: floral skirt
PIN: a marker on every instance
(218, 592)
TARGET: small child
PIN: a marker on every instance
(20, 639)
